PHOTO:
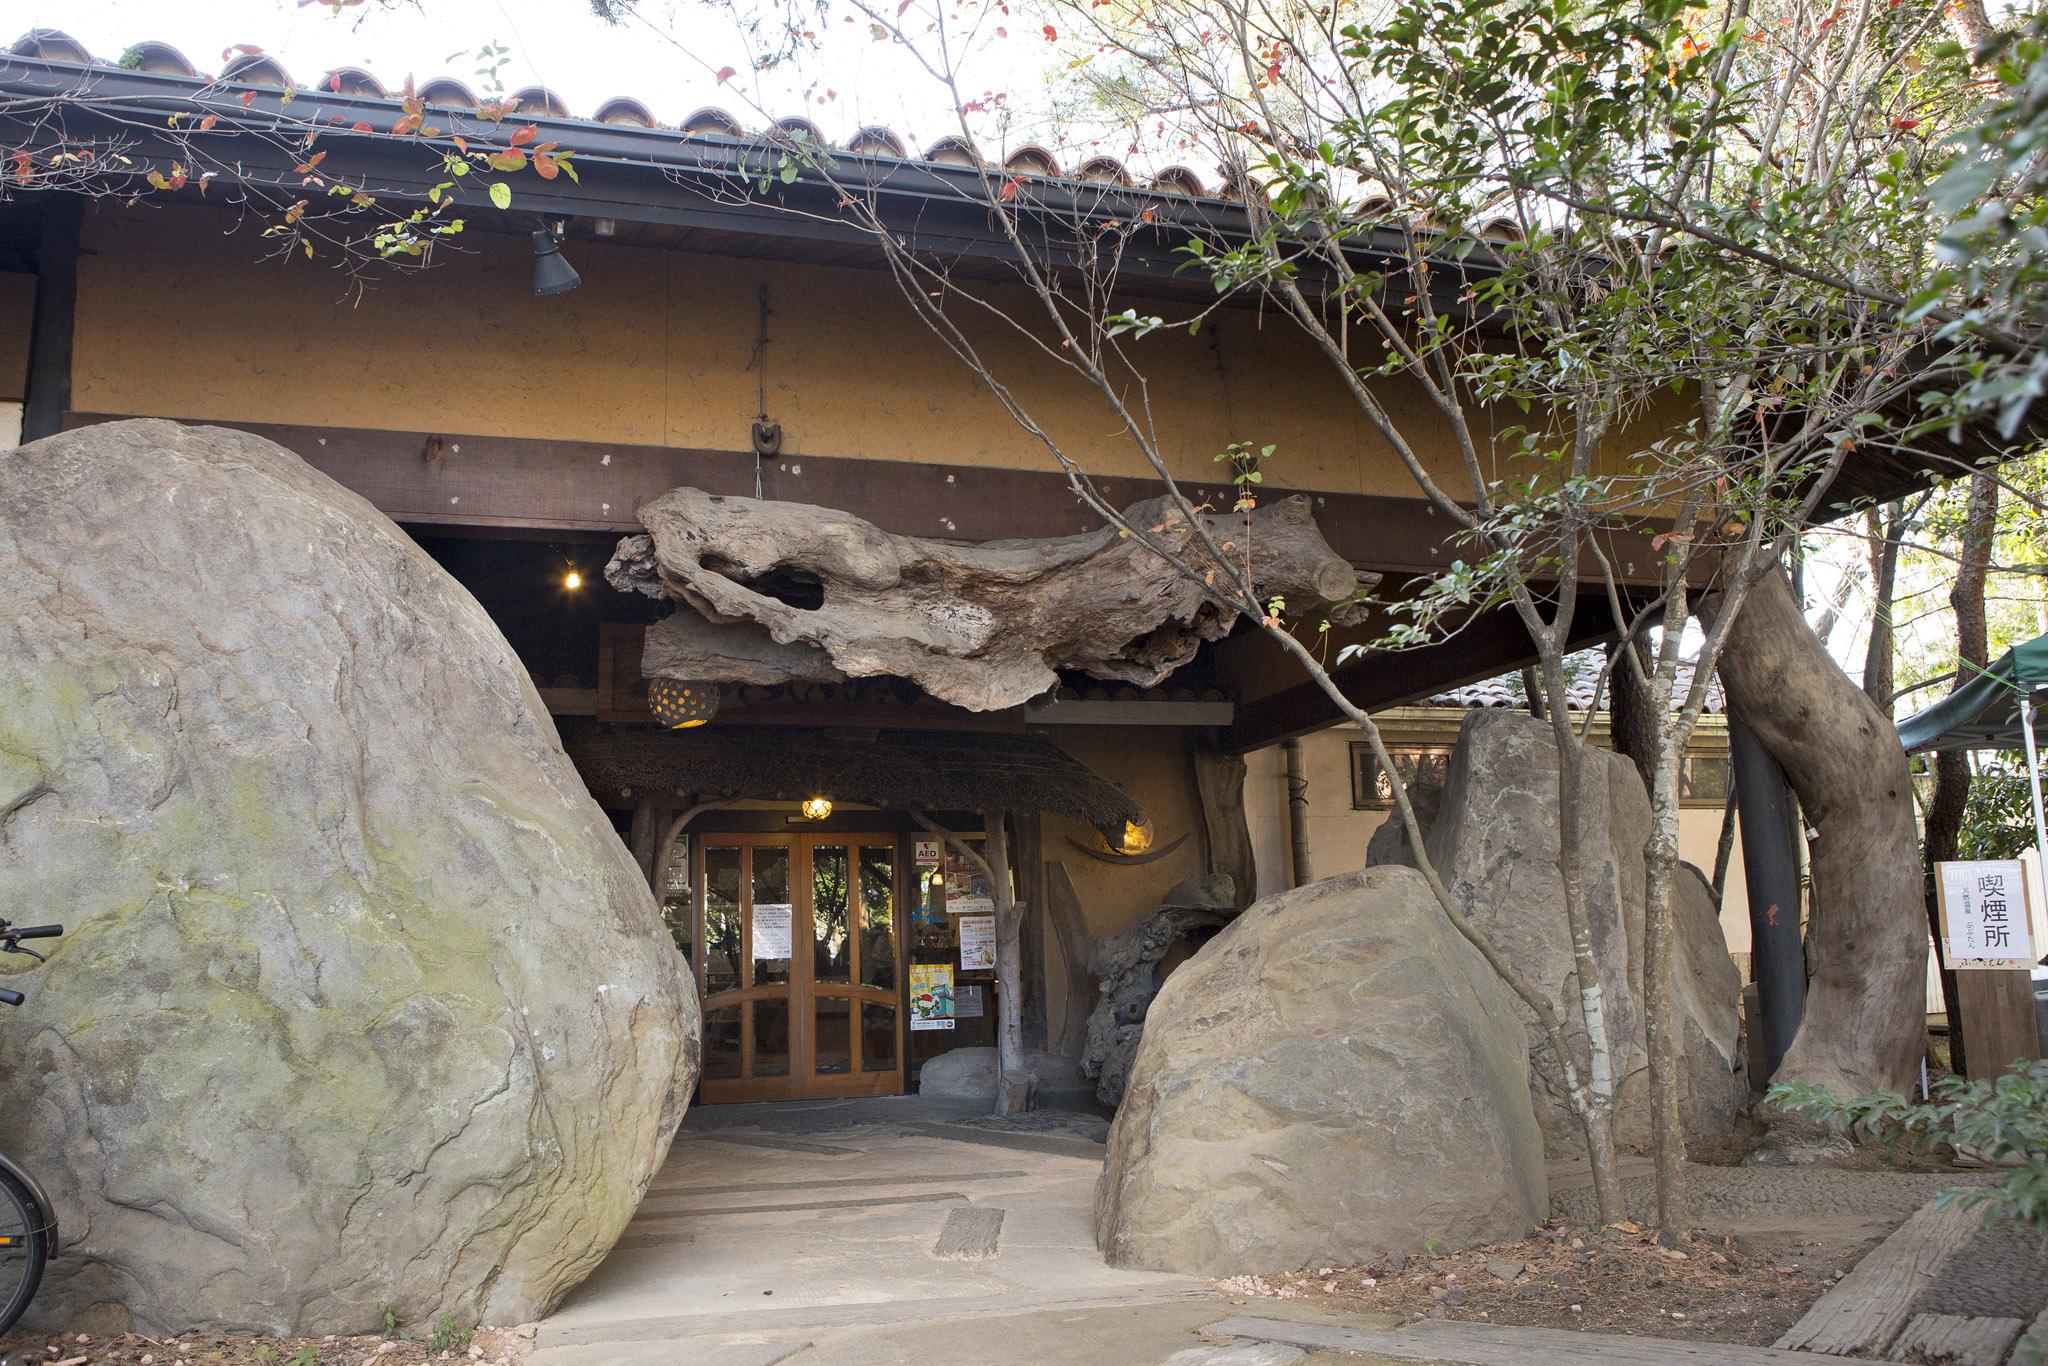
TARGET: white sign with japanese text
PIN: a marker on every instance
(771, 930)
(977, 943)
(1984, 915)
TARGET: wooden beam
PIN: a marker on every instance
(1490, 644)
(1867, 1311)
(513, 485)
(51, 327)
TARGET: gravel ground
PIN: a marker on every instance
(2003, 1273)
(1746, 1199)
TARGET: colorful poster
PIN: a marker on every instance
(1984, 915)
(968, 1006)
(931, 995)
(771, 930)
(977, 943)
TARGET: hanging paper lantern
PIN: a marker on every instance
(817, 808)
(680, 705)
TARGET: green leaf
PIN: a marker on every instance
(501, 194)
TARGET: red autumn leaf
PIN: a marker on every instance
(725, 73)
(508, 161)
(522, 136)
(902, 7)
(361, 128)
(334, 81)
(545, 164)
(1051, 34)
(1010, 188)
(406, 125)
(208, 122)
(248, 98)
(1273, 72)
(1905, 125)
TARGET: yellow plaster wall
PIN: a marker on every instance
(183, 312)
(1338, 834)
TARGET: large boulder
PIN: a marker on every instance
(1495, 843)
(1336, 1075)
(361, 1002)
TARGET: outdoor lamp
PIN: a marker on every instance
(552, 273)
(681, 706)
(1137, 838)
(817, 808)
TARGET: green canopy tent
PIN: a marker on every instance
(2004, 707)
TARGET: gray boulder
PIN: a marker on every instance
(1127, 968)
(1336, 1075)
(1495, 843)
(970, 1074)
(361, 1001)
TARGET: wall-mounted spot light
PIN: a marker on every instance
(682, 706)
(572, 581)
(817, 808)
(552, 273)
(1137, 838)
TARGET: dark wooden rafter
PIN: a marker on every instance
(1492, 643)
(510, 485)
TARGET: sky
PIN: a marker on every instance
(671, 64)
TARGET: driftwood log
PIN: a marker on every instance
(1866, 943)
(790, 591)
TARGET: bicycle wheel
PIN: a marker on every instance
(24, 1248)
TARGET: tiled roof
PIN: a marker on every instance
(1506, 690)
(248, 67)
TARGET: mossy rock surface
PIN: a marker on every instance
(361, 1002)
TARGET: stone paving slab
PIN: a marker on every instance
(1488, 1344)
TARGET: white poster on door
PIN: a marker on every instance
(977, 943)
(771, 930)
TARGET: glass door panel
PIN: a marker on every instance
(832, 906)
(832, 1036)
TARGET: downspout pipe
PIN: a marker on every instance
(1297, 816)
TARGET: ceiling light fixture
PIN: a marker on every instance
(552, 273)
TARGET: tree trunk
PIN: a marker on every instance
(1661, 1024)
(1866, 952)
(1952, 767)
(1013, 1079)
(1226, 834)
(1633, 714)
(1884, 526)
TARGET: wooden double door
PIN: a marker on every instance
(800, 969)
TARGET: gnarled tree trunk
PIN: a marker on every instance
(1866, 941)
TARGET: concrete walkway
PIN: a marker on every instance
(862, 1229)
(905, 1231)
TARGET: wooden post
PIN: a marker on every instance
(1031, 918)
(1999, 1026)
(48, 396)
(644, 835)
